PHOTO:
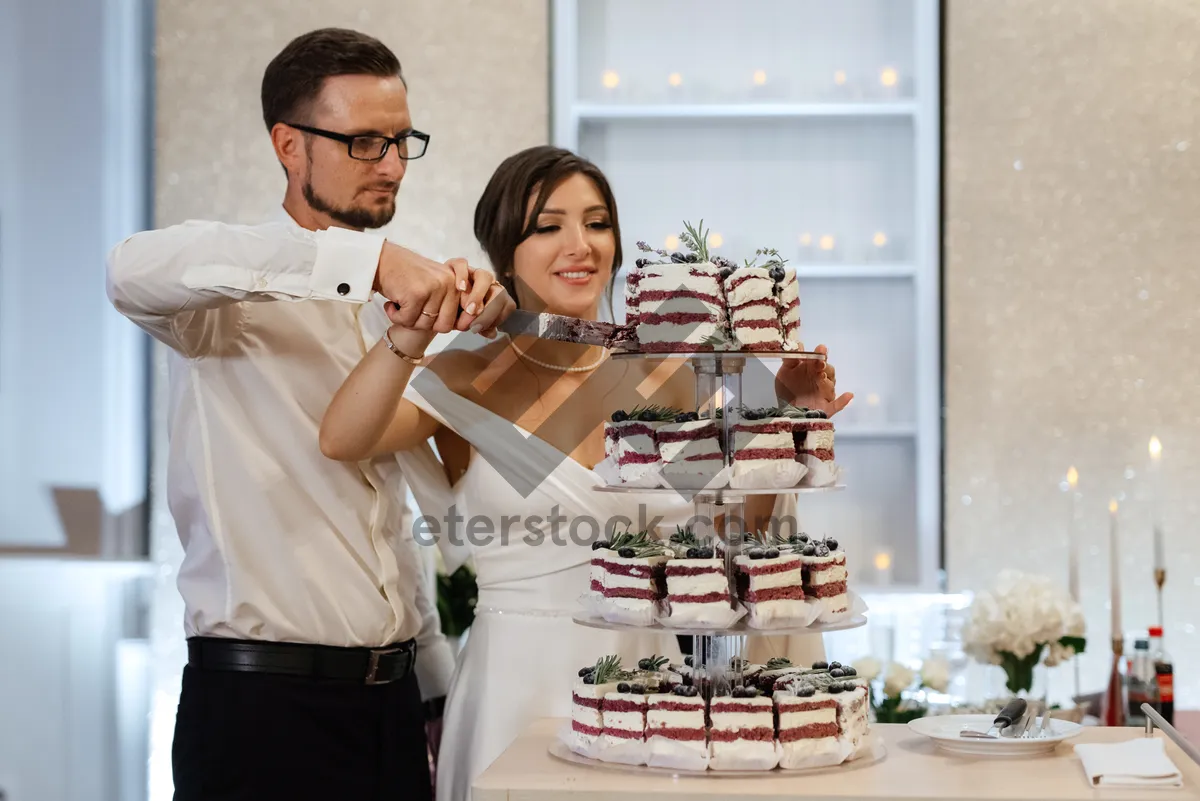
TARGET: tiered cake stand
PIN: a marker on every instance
(718, 653)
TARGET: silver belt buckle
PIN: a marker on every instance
(373, 665)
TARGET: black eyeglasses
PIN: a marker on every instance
(372, 147)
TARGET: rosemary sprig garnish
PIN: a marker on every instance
(778, 663)
(684, 536)
(642, 543)
(695, 239)
(653, 413)
(774, 260)
(608, 669)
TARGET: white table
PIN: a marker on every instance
(913, 770)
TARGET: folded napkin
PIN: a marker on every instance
(1141, 762)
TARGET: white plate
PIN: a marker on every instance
(944, 731)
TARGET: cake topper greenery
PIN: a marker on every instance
(773, 265)
(778, 663)
(608, 668)
(653, 662)
(695, 239)
(631, 544)
(687, 545)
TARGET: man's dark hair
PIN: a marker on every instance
(294, 78)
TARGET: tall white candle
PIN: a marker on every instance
(1072, 545)
(1114, 569)
(1156, 502)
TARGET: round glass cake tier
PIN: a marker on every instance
(718, 354)
(725, 492)
(872, 751)
(741, 628)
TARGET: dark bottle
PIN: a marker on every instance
(1139, 682)
(1164, 673)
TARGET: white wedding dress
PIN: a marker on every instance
(523, 652)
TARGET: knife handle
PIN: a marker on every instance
(1011, 713)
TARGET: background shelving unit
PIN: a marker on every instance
(810, 126)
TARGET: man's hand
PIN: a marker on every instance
(424, 293)
(810, 383)
(482, 306)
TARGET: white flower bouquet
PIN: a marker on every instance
(887, 688)
(1022, 617)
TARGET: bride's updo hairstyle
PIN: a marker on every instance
(501, 219)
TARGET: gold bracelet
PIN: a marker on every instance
(387, 340)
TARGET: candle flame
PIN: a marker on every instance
(1112, 506)
(1155, 448)
(1073, 477)
(610, 79)
(883, 560)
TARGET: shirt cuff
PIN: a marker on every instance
(346, 265)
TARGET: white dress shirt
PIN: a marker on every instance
(280, 543)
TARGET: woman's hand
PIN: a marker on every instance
(483, 302)
(810, 383)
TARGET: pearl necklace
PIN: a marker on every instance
(583, 369)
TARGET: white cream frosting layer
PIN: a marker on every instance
(819, 440)
(697, 585)
(683, 333)
(743, 440)
(681, 305)
(679, 451)
(617, 581)
(759, 312)
(737, 721)
(794, 720)
(587, 716)
(593, 690)
(752, 283)
(770, 581)
(674, 277)
(756, 336)
(636, 443)
(830, 575)
(670, 719)
(624, 721)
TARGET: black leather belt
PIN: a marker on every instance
(360, 665)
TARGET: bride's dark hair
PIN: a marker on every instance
(501, 221)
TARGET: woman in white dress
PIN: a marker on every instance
(519, 428)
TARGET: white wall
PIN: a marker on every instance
(73, 689)
(72, 157)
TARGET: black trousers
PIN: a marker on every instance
(260, 737)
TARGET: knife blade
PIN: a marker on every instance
(565, 329)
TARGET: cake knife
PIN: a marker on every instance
(565, 329)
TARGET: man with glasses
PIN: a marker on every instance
(315, 656)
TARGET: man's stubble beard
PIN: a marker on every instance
(352, 217)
